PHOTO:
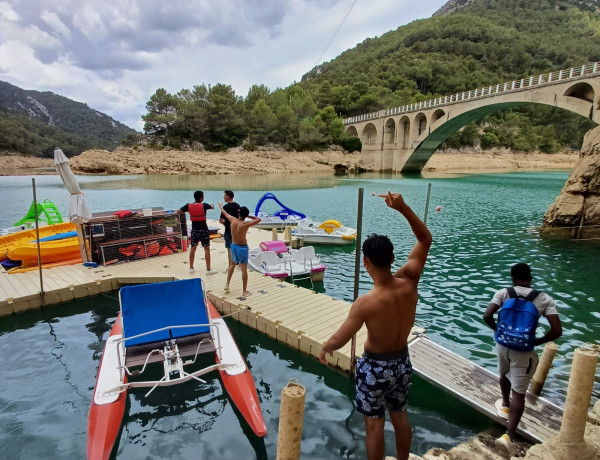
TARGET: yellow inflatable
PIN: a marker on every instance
(13, 240)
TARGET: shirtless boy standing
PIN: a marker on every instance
(239, 245)
(388, 311)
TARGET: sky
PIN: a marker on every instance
(113, 55)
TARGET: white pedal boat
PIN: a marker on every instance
(328, 232)
(274, 259)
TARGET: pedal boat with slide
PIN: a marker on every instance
(164, 323)
(285, 217)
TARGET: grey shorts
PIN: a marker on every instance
(519, 367)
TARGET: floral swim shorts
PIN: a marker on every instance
(382, 382)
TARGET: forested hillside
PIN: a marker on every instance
(466, 45)
(33, 123)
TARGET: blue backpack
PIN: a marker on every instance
(517, 321)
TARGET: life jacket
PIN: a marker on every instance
(197, 212)
(517, 321)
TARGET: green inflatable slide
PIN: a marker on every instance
(47, 212)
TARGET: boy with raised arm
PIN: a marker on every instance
(388, 311)
(239, 245)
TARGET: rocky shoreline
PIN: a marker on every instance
(273, 161)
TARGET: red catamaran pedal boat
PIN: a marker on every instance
(165, 322)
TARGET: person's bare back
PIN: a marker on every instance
(239, 227)
(389, 312)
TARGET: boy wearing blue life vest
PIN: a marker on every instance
(200, 233)
(519, 308)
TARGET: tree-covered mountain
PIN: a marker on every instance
(33, 123)
(467, 44)
(470, 44)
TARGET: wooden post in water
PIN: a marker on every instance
(357, 250)
(291, 416)
(539, 378)
(37, 236)
(427, 203)
(579, 393)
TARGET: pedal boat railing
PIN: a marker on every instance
(172, 360)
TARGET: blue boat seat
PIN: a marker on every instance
(147, 307)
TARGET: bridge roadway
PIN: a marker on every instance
(292, 315)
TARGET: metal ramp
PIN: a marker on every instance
(479, 388)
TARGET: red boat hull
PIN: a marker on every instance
(104, 421)
(242, 391)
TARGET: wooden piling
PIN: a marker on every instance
(539, 378)
(579, 393)
(291, 415)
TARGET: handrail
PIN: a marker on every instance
(545, 79)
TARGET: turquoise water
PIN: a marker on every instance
(485, 225)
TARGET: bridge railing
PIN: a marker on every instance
(544, 79)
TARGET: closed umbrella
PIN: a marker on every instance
(79, 213)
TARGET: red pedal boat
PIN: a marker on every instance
(165, 322)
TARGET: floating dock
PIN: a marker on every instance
(296, 316)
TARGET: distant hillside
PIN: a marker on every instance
(468, 44)
(33, 123)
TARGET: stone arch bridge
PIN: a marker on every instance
(402, 139)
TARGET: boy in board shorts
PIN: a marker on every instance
(239, 244)
(388, 311)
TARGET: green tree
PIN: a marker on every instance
(262, 122)
(224, 122)
(162, 112)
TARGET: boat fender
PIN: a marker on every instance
(90, 264)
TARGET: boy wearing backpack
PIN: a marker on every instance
(519, 308)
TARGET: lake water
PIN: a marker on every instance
(486, 224)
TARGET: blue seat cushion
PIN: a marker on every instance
(147, 307)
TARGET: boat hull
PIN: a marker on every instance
(50, 251)
(17, 239)
(318, 239)
(239, 383)
(104, 420)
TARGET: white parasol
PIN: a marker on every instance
(79, 213)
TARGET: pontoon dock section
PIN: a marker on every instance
(293, 315)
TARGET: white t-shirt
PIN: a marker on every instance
(543, 302)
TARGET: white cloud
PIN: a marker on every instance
(115, 55)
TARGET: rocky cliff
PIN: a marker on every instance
(576, 211)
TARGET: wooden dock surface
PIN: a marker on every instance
(479, 388)
(293, 315)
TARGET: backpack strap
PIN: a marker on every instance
(532, 295)
(511, 292)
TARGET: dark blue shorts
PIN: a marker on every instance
(382, 382)
(227, 238)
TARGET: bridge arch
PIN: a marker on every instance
(389, 132)
(369, 134)
(404, 132)
(420, 124)
(352, 131)
(435, 116)
(583, 91)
